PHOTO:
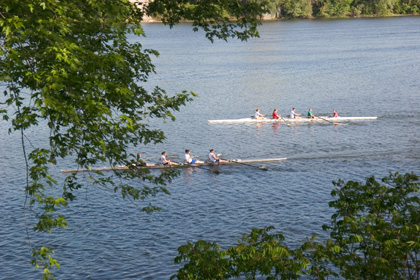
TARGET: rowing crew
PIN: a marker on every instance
(293, 114)
(212, 158)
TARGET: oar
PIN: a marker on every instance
(207, 168)
(259, 167)
(168, 157)
(288, 124)
(334, 123)
(172, 156)
(199, 156)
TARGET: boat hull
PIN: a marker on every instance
(180, 165)
(300, 120)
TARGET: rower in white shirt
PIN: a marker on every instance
(213, 158)
(189, 159)
(294, 115)
(165, 161)
(258, 115)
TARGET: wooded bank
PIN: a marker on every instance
(311, 9)
(341, 8)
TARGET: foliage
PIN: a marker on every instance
(69, 67)
(296, 9)
(341, 8)
(42, 258)
(384, 7)
(261, 253)
(207, 261)
(221, 19)
(338, 8)
(375, 234)
(274, 8)
(377, 227)
(257, 254)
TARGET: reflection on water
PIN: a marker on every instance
(276, 126)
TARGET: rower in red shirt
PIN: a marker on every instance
(275, 116)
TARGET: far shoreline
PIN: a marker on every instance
(270, 19)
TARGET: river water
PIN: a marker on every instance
(361, 67)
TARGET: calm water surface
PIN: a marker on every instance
(363, 67)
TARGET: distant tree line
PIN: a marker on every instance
(341, 8)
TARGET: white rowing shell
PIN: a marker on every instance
(252, 120)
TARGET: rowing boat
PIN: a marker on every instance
(300, 120)
(179, 165)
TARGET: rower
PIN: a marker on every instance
(165, 161)
(294, 115)
(188, 158)
(141, 162)
(310, 115)
(214, 159)
(258, 115)
(335, 114)
(275, 116)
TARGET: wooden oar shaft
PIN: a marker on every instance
(288, 124)
(208, 167)
(326, 120)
